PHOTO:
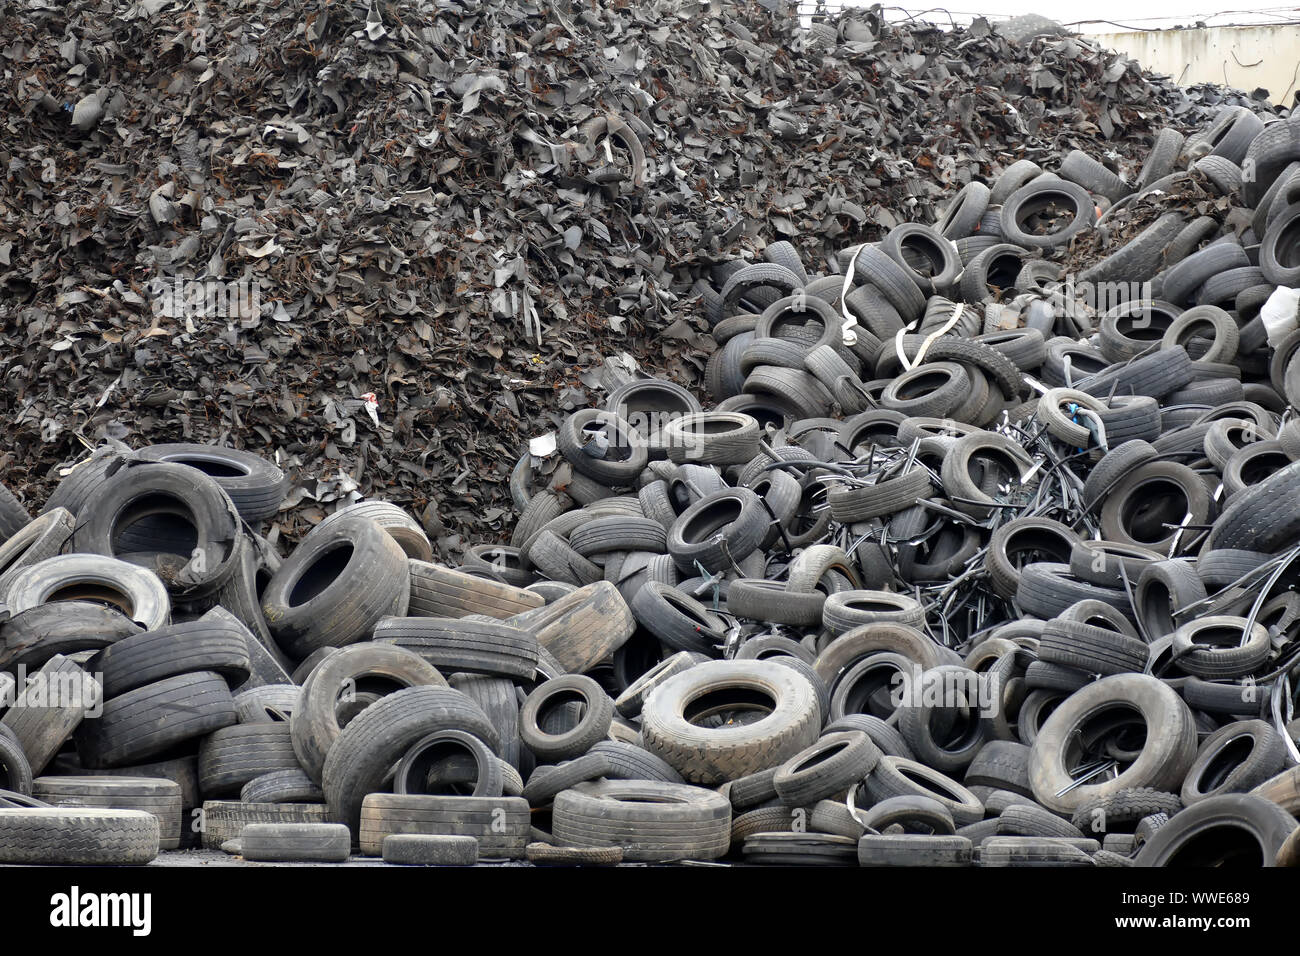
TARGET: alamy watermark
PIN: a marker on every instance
(944, 688)
(76, 690)
(206, 298)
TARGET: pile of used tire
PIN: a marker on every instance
(957, 570)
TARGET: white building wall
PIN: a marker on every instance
(1244, 57)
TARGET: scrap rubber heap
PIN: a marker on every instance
(460, 209)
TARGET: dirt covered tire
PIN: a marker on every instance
(282, 786)
(295, 842)
(913, 850)
(455, 645)
(915, 814)
(831, 765)
(155, 718)
(1120, 811)
(1235, 758)
(314, 723)
(41, 721)
(1031, 820)
(1035, 851)
(136, 592)
(1167, 751)
(1002, 765)
(592, 726)
(800, 849)
(40, 538)
(233, 756)
(581, 628)
(88, 836)
(438, 591)
(219, 645)
(335, 587)
(268, 703)
(222, 820)
(162, 798)
(1235, 829)
(368, 747)
(499, 824)
(650, 821)
(254, 485)
(672, 719)
(428, 849)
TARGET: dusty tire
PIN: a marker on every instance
(582, 627)
(222, 820)
(338, 583)
(88, 836)
(499, 824)
(592, 726)
(1167, 751)
(41, 726)
(282, 786)
(233, 756)
(491, 648)
(253, 484)
(295, 842)
(650, 821)
(369, 746)
(138, 593)
(40, 538)
(1246, 831)
(427, 849)
(913, 850)
(145, 722)
(714, 756)
(162, 798)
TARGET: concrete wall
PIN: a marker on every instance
(1244, 57)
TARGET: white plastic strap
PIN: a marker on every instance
(930, 339)
(848, 336)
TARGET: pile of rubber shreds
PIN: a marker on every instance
(459, 209)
